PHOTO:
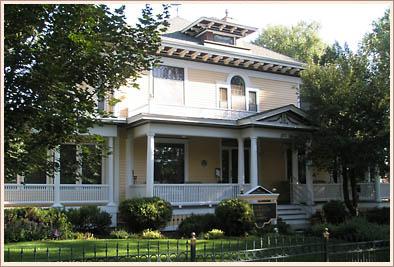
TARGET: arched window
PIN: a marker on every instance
(238, 100)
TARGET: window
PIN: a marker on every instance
(168, 85)
(88, 171)
(169, 163)
(168, 72)
(252, 101)
(223, 102)
(223, 39)
(238, 100)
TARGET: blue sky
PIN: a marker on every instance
(344, 22)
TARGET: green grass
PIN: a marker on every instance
(116, 249)
(268, 248)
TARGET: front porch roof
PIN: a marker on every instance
(286, 117)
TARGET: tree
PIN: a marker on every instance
(59, 61)
(350, 104)
(300, 41)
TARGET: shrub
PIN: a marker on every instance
(355, 229)
(236, 216)
(90, 219)
(83, 236)
(119, 234)
(214, 234)
(378, 215)
(145, 213)
(198, 224)
(317, 218)
(28, 224)
(334, 212)
(151, 234)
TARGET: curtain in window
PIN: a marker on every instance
(238, 99)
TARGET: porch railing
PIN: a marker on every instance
(15, 194)
(83, 193)
(188, 194)
(28, 193)
(327, 192)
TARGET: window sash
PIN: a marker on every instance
(223, 99)
(252, 101)
(169, 73)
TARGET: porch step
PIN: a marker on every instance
(294, 215)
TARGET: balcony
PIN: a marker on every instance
(191, 112)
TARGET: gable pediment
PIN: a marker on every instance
(287, 116)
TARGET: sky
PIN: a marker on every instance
(342, 22)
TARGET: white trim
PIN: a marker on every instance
(185, 142)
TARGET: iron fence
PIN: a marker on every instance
(264, 249)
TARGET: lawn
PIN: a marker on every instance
(146, 250)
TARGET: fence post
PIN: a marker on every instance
(326, 236)
(193, 247)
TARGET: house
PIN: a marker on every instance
(216, 118)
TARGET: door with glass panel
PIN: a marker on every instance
(230, 165)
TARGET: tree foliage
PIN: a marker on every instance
(349, 102)
(300, 41)
(59, 61)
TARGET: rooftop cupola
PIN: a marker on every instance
(217, 30)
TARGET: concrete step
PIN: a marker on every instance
(288, 212)
(294, 217)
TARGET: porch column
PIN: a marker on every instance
(110, 172)
(309, 183)
(253, 162)
(56, 180)
(150, 155)
(294, 165)
(241, 164)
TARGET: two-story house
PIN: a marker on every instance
(216, 118)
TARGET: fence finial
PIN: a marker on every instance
(326, 234)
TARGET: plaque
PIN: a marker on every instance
(264, 212)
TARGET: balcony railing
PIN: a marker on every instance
(16, 194)
(193, 112)
(190, 194)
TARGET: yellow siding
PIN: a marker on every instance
(131, 97)
(202, 87)
(274, 94)
(272, 167)
(140, 159)
(203, 149)
(122, 164)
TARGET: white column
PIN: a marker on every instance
(368, 175)
(294, 165)
(129, 162)
(241, 164)
(56, 180)
(116, 169)
(253, 162)
(377, 185)
(110, 172)
(309, 183)
(150, 154)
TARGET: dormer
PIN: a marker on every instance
(217, 31)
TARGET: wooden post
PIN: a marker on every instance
(193, 247)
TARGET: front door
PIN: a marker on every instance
(230, 165)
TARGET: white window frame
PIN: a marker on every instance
(185, 142)
(255, 90)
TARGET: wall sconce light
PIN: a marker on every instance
(204, 163)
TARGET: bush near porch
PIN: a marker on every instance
(27, 224)
(138, 214)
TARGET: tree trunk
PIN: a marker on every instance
(345, 182)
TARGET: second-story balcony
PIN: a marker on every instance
(191, 112)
